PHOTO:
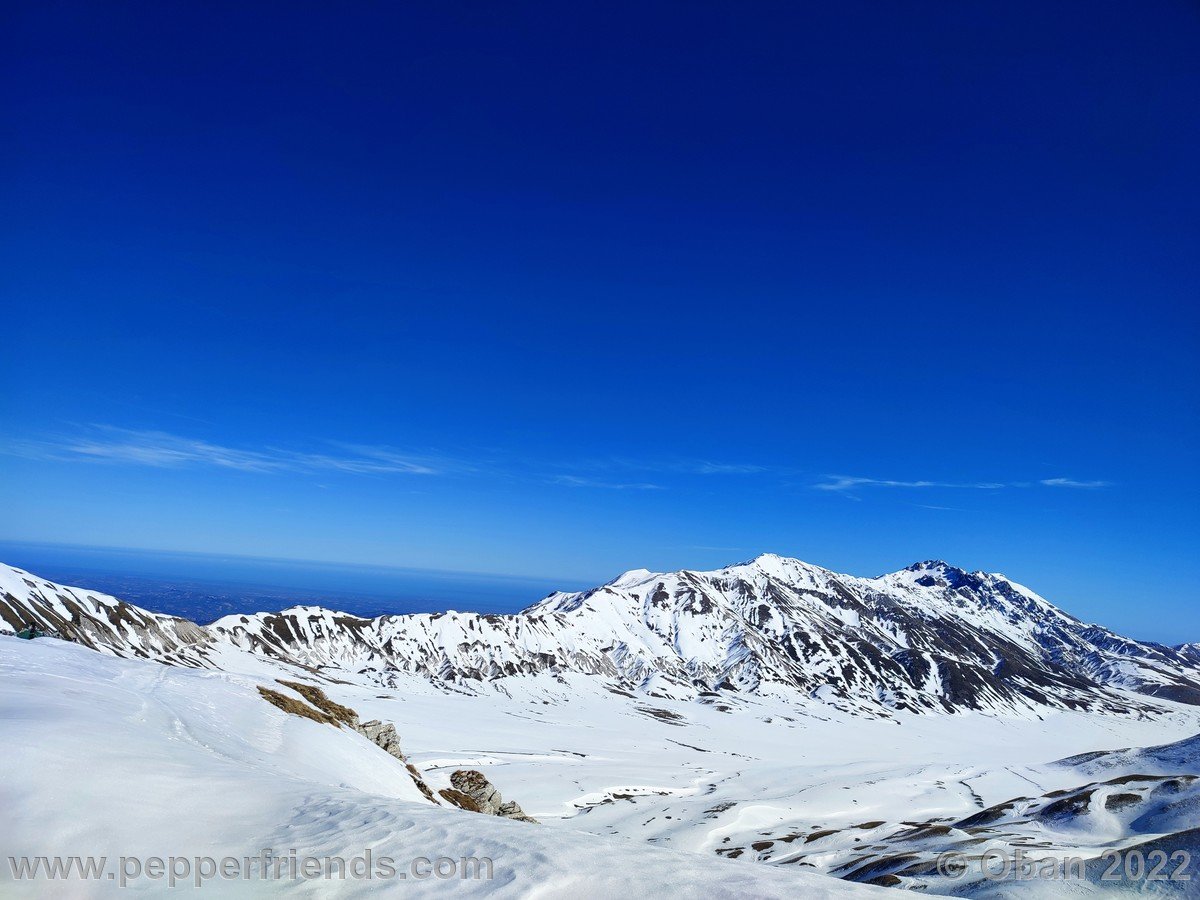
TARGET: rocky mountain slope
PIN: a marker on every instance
(929, 638)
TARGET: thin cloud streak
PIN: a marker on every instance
(849, 483)
(705, 467)
(674, 466)
(846, 484)
(1072, 483)
(158, 449)
(576, 481)
(163, 450)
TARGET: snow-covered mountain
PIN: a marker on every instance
(929, 638)
(820, 725)
(91, 618)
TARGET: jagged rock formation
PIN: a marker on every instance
(471, 790)
(929, 638)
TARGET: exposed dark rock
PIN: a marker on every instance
(1068, 807)
(471, 790)
(1114, 802)
(461, 800)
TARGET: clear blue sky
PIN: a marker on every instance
(565, 289)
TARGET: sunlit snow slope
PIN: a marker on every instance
(126, 758)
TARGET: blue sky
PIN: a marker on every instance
(565, 290)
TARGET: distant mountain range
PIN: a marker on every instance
(834, 729)
(929, 638)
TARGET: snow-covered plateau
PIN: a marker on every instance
(767, 729)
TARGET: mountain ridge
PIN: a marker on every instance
(928, 638)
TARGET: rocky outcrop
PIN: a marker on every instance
(321, 709)
(472, 791)
(384, 735)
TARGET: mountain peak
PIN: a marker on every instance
(774, 562)
(928, 564)
(633, 576)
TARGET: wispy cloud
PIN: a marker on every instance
(159, 449)
(672, 466)
(847, 485)
(576, 481)
(706, 467)
(165, 450)
(1072, 483)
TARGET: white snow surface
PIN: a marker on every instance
(127, 757)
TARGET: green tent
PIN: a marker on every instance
(29, 633)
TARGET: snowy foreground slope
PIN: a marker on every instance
(128, 758)
(762, 730)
